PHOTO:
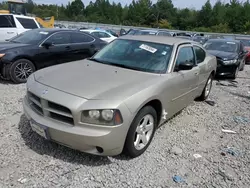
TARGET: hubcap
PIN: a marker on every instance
(23, 70)
(144, 132)
(208, 87)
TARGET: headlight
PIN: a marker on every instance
(230, 62)
(1, 55)
(107, 117)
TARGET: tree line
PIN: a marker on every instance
(222, 17)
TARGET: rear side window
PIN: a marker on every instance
(27, 23)
(104, 35)
(200, 54)
(60, 38)
(81, 38)
(7, 21)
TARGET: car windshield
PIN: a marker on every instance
(246, 42)
(136, 55)
(30, 37)
(225, 46)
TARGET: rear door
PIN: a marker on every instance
(187, 80)
(82, 46)
(59, 52)
(200, 56)
(8, 28)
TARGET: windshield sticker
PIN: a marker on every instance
(164, 53)
(148, 48)
(231, 43)
(43, 33)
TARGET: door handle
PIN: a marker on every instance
(196, 73)
(10, 32)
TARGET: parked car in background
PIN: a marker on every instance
(112, 32)
(39, 48)
(101, 34)
(115, 100)
(13, 25)
(230, 56)
(201, 39)
(59, 26)
(183, 34)
(246, 43)
(149, 32)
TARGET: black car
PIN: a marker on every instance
(39, 48)
(230, 56)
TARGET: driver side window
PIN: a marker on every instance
(185, 54)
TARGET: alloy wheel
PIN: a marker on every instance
(144, 132)
(208, 86)
(23, 70)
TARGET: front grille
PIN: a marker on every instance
(50, 109)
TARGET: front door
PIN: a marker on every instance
(186, 81)
(59, 52)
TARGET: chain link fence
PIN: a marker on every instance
(78, 25)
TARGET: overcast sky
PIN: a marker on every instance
(178, 3)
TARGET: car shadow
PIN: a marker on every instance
(44, 147)
(5, 82)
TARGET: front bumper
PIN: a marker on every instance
(225, 70)
(83, 137)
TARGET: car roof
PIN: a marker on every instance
(157, 39)
(149, 30)
(92, 30)
(225, 40)
(18, 16)
(53, 30)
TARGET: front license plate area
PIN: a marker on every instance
(40, 129)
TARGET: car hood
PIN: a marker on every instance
(223, 55)
(9, 45)
(91, 80)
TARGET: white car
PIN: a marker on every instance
(13, 25)
(103, 35)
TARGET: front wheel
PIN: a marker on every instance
(206, 91)
(20, 70)
(236, 72)
(141, 132)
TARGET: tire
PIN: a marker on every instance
(235, 74)
(134, 146)
(207, 89)
(243, 66)
(17, 74)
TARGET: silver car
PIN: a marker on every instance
(115, 101)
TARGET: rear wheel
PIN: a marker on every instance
(206, 91)
(141, 132)
(20, 70)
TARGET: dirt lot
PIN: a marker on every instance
(27, 160)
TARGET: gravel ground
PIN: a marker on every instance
(27, 160)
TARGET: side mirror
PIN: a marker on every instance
(185, 66)
(47, 44)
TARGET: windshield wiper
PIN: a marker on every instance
(96, 60)
(124, 66)
(14, 41)
(114, 64)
